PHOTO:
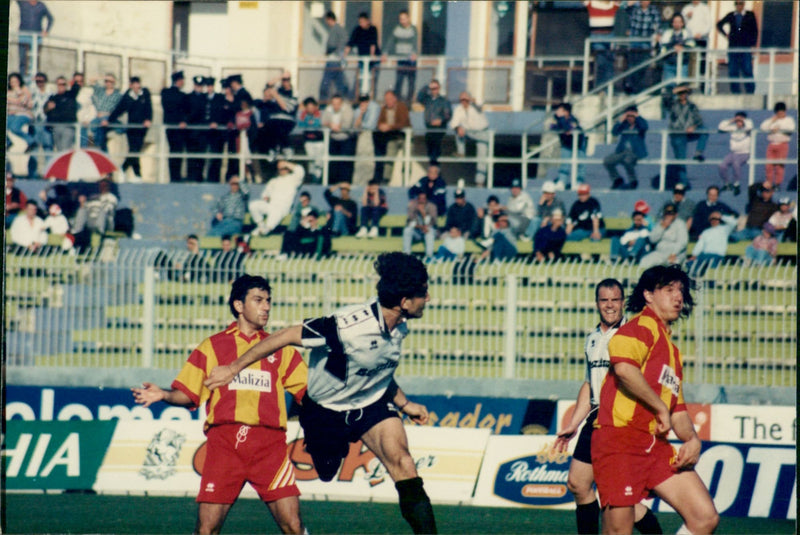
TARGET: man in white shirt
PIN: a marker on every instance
(698, 22)
(28, 230)
(470, 122)
(520, 209)
(276, 199)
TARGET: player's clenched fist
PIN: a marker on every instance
(219, 376)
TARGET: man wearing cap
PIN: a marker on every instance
(462, 214)
(585, 218)
(739, 127)
(703, 209)
(684, 206)
(633, 243)
(137, 104)
(520, 209)
(669, 239)
(712, 245)
(275, 202)
(547, 204)
(174, 104)
(434, 186)
(759, 209)
(549, 240)
(631, 129)
(196, 134)
(685, 125)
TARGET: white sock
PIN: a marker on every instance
(683, 530)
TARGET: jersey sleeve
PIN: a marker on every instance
(294, 372)
(631, 344)
(321, 332)
(194, 372)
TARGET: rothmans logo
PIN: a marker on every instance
(252, 380)
(162, 454)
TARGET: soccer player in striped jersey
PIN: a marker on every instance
(640, 402)
(609, 298)
(246, 423)
(352, 393)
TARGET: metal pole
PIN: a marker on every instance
(326, 154)
(510, 334)
(699, 332)
(164, 156)
(149, 313)
(406, 156)
(662, 166)
(490, 163)
(524, 155)
(585, 77)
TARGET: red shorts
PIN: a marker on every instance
(239, 453)
(628, 464)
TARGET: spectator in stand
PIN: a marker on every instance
(16, 200)
(334, 67)
(310, 121)
(703, 210)
(437, 115)
(137, 104)
(549, 239)
(338, 116)
(105, 99)
(228, 262)
(487, 218)
(96, 213)
(56, 222)
(175, 106)
(585, 218)
(633, 244)
(520, 210)
(631, 129)
(310, 239)
(62, 113)
(366, 121)
(601, 24)
(462, 214)
(343, 220)
(278, 110)
(300, 211)
(780, 128)
(685, 206)
(547, 204)
(41, 133)
(420, 225)
(373, 208)
(669, 239)
(239, 92)
(565, 124)
(712, 245)
(435, 188)
(677, 38)
(698, 22)
(364, 39)
(389, 137)
(20, 110)
(196, 134)
(739, 127)
(760, 208)
(469, 121)
(218, 115)
(742, 33)
(192, 265)
(86, 111)
(276, 199)
(229, 211)
(764, 249)
(644, 22)
(453, 245)
(502, 245)
(402, 42)
(782, 219)
(686, 125)
(31, 15)
(27, 232)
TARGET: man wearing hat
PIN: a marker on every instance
(547, 204)
(684, 206)
(669, 239)
(196, 134)
(520, 209)
(137, 104)
(462, 214)
(630, 129)
(685, 125)
(173, 102)
(585, 218)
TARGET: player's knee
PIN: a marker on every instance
(292, 525)
(707, 524)
(579, 489)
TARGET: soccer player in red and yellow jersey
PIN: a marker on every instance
(246, 422)
(641, 400)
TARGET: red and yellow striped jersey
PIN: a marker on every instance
(644, 342)
(256, 395)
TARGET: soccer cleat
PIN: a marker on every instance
(373, 232)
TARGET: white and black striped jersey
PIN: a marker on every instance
(353, 356)
(597, 360)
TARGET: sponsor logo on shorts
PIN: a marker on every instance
(669, 379)
(162, 454)
(259, 380)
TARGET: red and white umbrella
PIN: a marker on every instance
(82, 164)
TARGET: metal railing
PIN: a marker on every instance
(149, 308)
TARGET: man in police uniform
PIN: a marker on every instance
(609, 299)
(217, 116)
(352, 393)
(196, 136)
(173, 102)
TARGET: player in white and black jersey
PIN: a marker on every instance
(351, 392)
(609, 299)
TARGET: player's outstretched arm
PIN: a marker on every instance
(223, 375)
(150, 393)
(582, 407)
(689, 452)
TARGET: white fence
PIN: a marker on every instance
(149, 308)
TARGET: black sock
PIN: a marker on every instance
(648, 524)
(588, 518)
(415, 505)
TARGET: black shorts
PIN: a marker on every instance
(329, 433)
(583, 449)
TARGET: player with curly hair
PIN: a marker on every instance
(352, 393)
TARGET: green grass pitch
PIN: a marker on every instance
(77, 513)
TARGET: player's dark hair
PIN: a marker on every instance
(657, 277)
(401, 275)
(608, 283)
(244, 284)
